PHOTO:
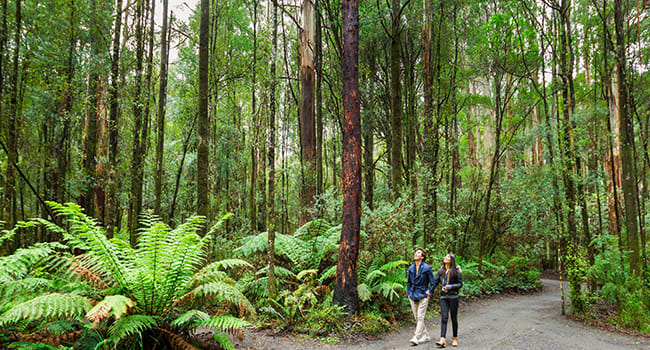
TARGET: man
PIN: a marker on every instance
(419, 287)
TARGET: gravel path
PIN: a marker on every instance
(510, 322)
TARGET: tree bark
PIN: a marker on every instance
(271, 284)
(307, 120)
(345, 292)
(112, 205)
(12, 136)
(202, 150)
(626, 130)
(137, 162)
(396, 99)
(318, 60)
(160, 116)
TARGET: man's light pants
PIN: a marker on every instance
(419, 310)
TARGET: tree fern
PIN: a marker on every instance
(47, 307)
(224, 291)
(314, 228)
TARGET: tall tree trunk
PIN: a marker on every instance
(90, 134)
(626, 130)
(307, 120)
(4, 207)
(12, 136)
(137, 163)
(568, 148)
(202, 149)
(252, 198)
(396, 99)
(160, 116)
(318, 60)
(345, 291)
(272, 226)
(427, 115)
(112, 205)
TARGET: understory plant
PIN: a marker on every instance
(117, 296)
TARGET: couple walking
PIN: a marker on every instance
(420, 286)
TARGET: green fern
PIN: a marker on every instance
(223, 340)
(48, 307)
(224, 323)
(189, 318)
(112, 305)
(130, 325)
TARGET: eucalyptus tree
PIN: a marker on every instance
(345, 292)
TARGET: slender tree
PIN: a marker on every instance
(160, 116)
(626, 130)
(271, 284)
(112, 207)
(307, 118)
(396, 97)
(203, 149)
(12, 137)
(345, 292)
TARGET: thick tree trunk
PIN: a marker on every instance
(396, 99)
(112, 205)
(307, 119)
(630, 192)
(160, 116)
(202, 149)
(345, 292)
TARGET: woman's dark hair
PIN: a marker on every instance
(424, 254)
(453, 270)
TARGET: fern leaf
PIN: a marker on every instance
(364, 292)
(47, 307)
(189, 317)
(130, 325)
(224, 291)
(330, 272)
(224, 323)
(112, 305)
(18, 264)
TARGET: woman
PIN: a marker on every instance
(450, 278)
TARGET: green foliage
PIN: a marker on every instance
(577, 266)
(134, 290)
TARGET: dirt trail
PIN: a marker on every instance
(510, 322)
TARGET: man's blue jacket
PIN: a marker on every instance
(418, 283)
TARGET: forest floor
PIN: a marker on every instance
(531, 321)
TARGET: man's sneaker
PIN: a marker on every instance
(414, 341)
(424, 339)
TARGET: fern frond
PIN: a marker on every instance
(302, 274)
(372, 275)
(47, 307)
(188, 318)
(112, 305)
(224, 323)
(23, 260)
(225, 291)
(279, 271)
(130, 325)
(85, 274)
(330, 272)
(364, 292)
(314, 228)
(8, 235)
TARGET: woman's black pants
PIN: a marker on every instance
(448, 306)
